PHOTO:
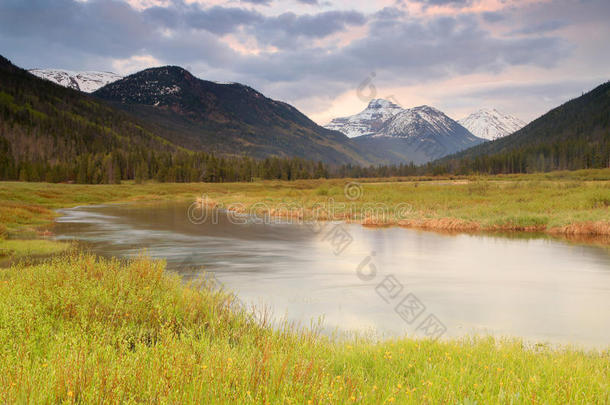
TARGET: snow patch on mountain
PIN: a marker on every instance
(367, 122)
(418, 121)
(419, 135)
(491, 124)
(87, 82)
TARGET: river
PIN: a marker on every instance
(383, 282)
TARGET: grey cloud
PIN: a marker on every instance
(450, 45)
(287, 29)
(402, 50)
(401, 53)
(260, 2)
(390, 13)
(283, 30)
(222, 20)
(110, 27)
(462, 3)
(543, 27)
(493, 16)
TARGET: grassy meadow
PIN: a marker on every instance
(75, 328)
(79, 329)
(561, 203)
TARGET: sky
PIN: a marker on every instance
(329, 58)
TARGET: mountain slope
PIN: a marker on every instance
(86, 82)
(368, 121)
(490, 124)
(51, 133)
(226, 118)
(45, 129)
(574, 135)
(418, 135)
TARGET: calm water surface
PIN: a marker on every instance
(388, 282)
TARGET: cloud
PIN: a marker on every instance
(543, 27)
(493, 16)
(454, 3)
(221, 20)
(259, 2)
(297, 54)
(283, 30)
(287, 29)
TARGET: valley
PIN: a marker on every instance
(304, 202)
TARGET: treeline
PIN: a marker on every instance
(572, 154)
(353, 171)
(140, 165)
(116, 166)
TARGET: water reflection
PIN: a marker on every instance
(536, 288)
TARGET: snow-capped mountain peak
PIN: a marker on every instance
(368, 121)
(87, 82)
(490, 124)
(418, 121)
(419, 135)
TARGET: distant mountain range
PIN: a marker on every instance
(187, 115)
(86, 82)
(418, 135)
(491, 124)
(488, 124)
(148, 115)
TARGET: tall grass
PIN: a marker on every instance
(77, 328)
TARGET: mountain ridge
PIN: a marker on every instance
(227, 118)
(419, 135)
(368, 121)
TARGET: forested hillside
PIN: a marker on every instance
(575, 135)
(227, 118)
(50, 133)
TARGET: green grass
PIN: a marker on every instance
(536, 202)
(79, 329)
(16, 249)
(551, 199)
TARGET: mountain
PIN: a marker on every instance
(48, 132)
(397, 135)
(490, 124)
(418, 135)
(87, 82)
(56, 134)
(367, 122)
(575, 135)
(226, 118)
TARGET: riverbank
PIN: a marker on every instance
(82, 329)
(572, 205)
